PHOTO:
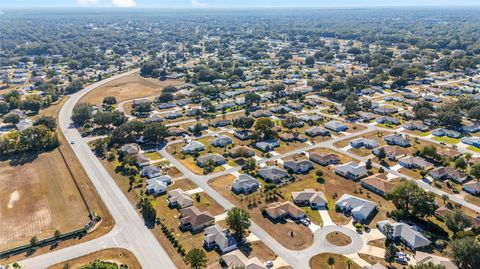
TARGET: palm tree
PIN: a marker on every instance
(348, 263)
(330, 262)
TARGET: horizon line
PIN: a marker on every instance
(244, 7)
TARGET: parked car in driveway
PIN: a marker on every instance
(305, 222)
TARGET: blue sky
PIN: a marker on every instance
(231, 3)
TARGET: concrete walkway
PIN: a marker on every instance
(327, 221)
(356, 259)
(373, 251)
(196, 190)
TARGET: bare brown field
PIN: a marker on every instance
(127, 88)
(48, 181)
(116, 255)
(320, 262)
(36, 199)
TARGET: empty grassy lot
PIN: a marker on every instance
(36, 199)
(115, 255)
(320, 262)
(127, 88)
(40, 196)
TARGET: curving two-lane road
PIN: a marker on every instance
(129, 231)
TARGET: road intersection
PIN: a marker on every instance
(130, 232)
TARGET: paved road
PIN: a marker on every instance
(296, 259)
(129, 232)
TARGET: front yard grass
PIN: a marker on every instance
(473, 148)
(446, 139)
(319, 261)
(153, 156)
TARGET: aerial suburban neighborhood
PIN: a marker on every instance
(240, 138)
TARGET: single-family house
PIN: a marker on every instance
(195, 220)
(351, 170)
(378, 184)
(220, 123)
(236, 259)
(281, 210)
(130, 149)
(261, 114)
(267, 146)
(203, 126)
(241, 151)
(245, 184)
(151, 171)
(194, 112)
(176, 131)
(446, 132)
(360, 209)
(219, 238)
(222, 141)
(364, 142)
(415, 163)
(316, 131)
(383, 110)
(273, 174)
(450, 153)
(336, 126)
(156, 186)
(391, 152)
(141, 160)
(472, 187)
(173, 115)
(298, 167)
(448, 173)
(179, 199)
(366, 116)
(311, 118)
(324, 159)
(192, 147)
(214, 158)
(242, 134)
(472, 141)
(424, 258)
(24, 124)
(407, 234)
(310, 197)
(415, 125)
(154, 119)
(388, 120)
(397, 139)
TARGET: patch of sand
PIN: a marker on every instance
(14, 197)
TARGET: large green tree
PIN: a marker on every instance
(196, 258)
(264, 128)
(238, 221)
(82, 112)
(408, 196)
(457, 221)
(466, 253)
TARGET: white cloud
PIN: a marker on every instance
(86, 2)
(196, 3)
(124, 3)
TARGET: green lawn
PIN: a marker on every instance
(313, 215)
(446, 139)
(473, 148)
(424, 134)
(389, 126)
(153, 156)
